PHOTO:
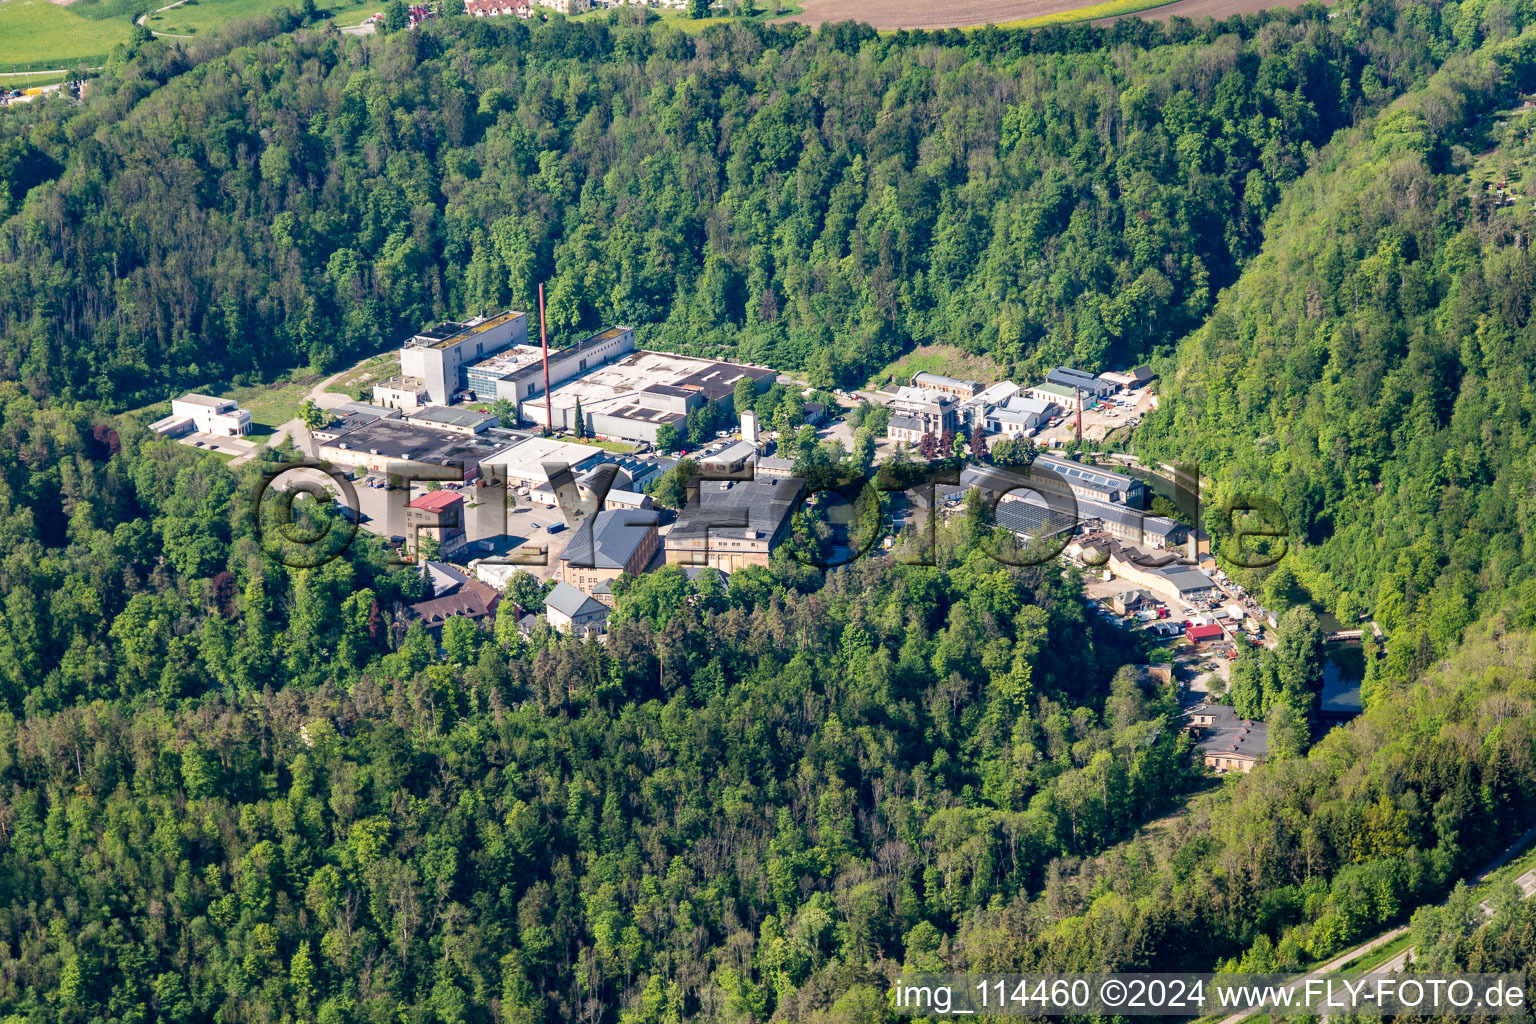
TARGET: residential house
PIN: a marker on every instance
(1131, 600)
(453, 595)
(568, 610)
(917, 411)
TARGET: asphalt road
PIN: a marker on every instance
(1527, 883)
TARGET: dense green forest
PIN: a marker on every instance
(234, 790)
(1372, 371)
(812, 200)
(229, 787)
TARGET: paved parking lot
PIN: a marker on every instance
(1121, 411)
(522, 526)
(223, 445)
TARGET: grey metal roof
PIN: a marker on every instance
(721, 507)
(569, 601)
(770, 466)
(1094, 477)
(454, 417)
(1187, 580)
(1227, 734)
(366, 409)
(717, 380)
(1111, 512)
(609, 539)
(924, 377)
(733, 452)
(1068, 377)
(1030, 519)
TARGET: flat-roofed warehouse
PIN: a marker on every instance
(633, 397)
(384, 443)
(518, 373)
(522, 465)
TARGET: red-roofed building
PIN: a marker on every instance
(439, 515)
(436, 500)
(454, 595)
(1203, 634)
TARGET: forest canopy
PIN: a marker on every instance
(816, 201)
(237, 790)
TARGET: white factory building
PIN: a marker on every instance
(203, 414)
(438, 357)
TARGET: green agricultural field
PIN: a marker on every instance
(1108, 9)
(196, 17)
(38, 35)
(767, 10)
(27, 79)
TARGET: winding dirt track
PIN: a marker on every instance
(893, 14)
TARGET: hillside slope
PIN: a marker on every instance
(1374, 369)
(818, 202)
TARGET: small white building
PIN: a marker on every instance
(408, 394)
(203, 414)
(1018, 416)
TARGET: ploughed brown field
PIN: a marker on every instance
(892, 14)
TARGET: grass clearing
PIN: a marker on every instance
(272, 405)
(199, 17)
(1378, 956)
(36, 35)
(28, 79)
(768, 11)
(365, 375)
(618, 447)
(944, 359)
